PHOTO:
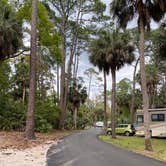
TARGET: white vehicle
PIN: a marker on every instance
(157, 122)
(99, 124)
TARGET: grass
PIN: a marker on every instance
(136, 144)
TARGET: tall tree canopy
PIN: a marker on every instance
(10, 31)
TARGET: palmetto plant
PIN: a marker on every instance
(143, 10)
(10, 31)
(77, 95)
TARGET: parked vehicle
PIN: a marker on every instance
(99, 124)
(125, 129)
(157, 120)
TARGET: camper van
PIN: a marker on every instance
(157, 118)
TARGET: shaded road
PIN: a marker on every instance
(84, 149)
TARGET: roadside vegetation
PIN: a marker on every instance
(136, 144)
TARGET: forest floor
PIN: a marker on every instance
(16, 150)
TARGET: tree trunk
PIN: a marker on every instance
(148, 145)
(105, 103)
(42, 94)
(132, 110)
(113, 100)
(58, 84)
(30, 122)
(24, 92)
(75, 118)
(69, 75)
(62, 84)
(89, 88)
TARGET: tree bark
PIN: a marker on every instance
(89, 88)
(148, 145)
(24, 92)
(58, 83)
(30, 122)
(113, 100)
(62, 84)
(75, 118)
(105, 103)
(132, 110)
(42, 95)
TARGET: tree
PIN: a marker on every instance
(20, 79)
(77, 95)
(98, 52)
(125, 11)
(123, 100)
(10, 30)
(90, 73)
(73, 26)
(120, 52)
(132, 107)
(48, 52)
(30, 122)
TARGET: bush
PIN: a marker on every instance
(43, 126)
(69, 123)
(47, 116)
(12, 115)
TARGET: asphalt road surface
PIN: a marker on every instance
(85, 149)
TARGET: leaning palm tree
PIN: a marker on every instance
(120, 52)
(127, 10)
(98, 50)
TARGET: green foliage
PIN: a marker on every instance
(77, 94)
(12, 115)
(47, 116)
(10, 30)
(5, 70)
(48, 36)
(82, 120)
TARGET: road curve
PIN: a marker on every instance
(84, 149)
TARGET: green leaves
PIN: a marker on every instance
(10, 31)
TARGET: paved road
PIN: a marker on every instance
(84, 149)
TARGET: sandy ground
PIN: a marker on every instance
(17, 151)
(35, 156)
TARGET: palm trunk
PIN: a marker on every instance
(105, 104)
(148, 145)
(30, 122)
(132, 110)
(113, 100)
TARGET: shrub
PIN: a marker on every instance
(47, 116)
(12, 115)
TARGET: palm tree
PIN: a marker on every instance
(127, 10)
(98, 51)
(30, 122)
(10, 30)
(77, 95)
(120, 53)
